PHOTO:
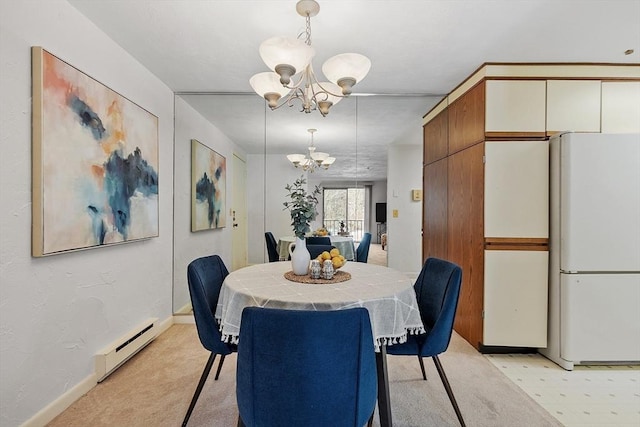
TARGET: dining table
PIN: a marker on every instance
(387, 294)
(344, 244)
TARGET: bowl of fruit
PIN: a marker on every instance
(321, 232)
(336, 258)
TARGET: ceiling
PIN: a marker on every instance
(420, 51)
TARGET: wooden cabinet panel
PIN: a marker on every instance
(515, 108)
(573, 105)
(436, 136)
(620, 107)
(466, 119)
(434, 211)
(465, 240)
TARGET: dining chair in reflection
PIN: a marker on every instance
(437, 292)
(305, 368)
(318, 240)
(362, 253)
(315, 250)
(272, 250)
(205, 276)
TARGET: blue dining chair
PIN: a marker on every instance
(437, 291)
(205, 276)
(318, 240)
(362, 253)
(315, 250)
(305, 368)
(272, 247)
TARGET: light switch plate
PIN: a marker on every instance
(416, 195)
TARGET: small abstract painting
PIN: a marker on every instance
(95, 162)
(208, 188)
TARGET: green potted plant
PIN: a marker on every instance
(302, 207)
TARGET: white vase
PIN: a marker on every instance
(300, 257)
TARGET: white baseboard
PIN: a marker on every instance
(183, 319)
(185, 309)
(58, 406)
(55, 408)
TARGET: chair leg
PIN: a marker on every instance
(370, 422)
(424, 375)
(219, 367)
(203, 379)
(447, 387)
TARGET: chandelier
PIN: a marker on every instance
(292, 78)
(315, 160)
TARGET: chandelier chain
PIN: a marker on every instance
(308, 30)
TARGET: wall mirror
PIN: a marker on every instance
(357, 132)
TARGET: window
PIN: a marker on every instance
(344, 207)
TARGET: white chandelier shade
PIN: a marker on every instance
(315, 160)
(288, 57)
(346, 70)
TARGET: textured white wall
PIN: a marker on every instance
(405, 231)
(187, 245)
(57, 312)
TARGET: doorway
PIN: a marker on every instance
(239, 215)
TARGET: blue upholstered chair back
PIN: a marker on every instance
(205, 276)
(315, 250)
(305, 368)
(319, 240)
(362, 253)
(272, 245)
(437, 291)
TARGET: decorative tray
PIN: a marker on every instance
(338, 276)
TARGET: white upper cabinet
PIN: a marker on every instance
(515, 106)
(516, 193)
(573, 105)
(620, 107)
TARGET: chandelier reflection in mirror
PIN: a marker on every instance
(315, 160)
(293, 78)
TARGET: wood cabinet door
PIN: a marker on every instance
(466, 119)
(434, 211)
(620, 107)
(436, 137)
(515, 108)
(573, 105)
(465, 244)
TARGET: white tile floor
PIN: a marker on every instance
(587, 396)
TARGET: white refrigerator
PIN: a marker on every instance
(594, 249)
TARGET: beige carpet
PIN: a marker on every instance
(377, 255)
(155, 387)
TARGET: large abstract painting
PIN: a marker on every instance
(208, 188)
(95, 162)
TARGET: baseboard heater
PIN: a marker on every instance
(115, 354)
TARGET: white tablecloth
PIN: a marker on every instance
(343, 243)
(387, 294)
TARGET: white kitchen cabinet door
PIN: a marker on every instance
(515, 106)
(515, 298)
(573, 105)
(620, 107)
(516, 193)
